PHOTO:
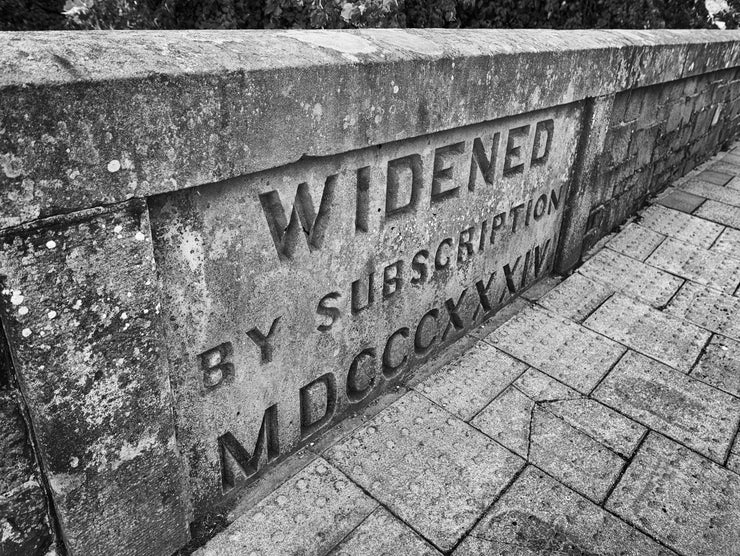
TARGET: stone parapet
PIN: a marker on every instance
(215, 245)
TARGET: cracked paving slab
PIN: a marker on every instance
(429, 468)
(537, 515)
(673, 403)
(558, 347)
(310, 513)
(673, 341)
(680, 498)
(720, 365)
(707, 308)
(630, 277)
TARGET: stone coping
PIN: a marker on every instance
(96, 118)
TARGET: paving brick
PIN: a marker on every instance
(429, 468)
(308, 514)
(734, 183)
(715, 270)
(728, 243)
(671, 402)
(465, 386)
(681, 499)
(381, 533)
(557, 346)
(714, 176)
(733, 463)
(636, 241)
(631, 277)
(708, 308)
(679, 225)
(713, 191)
(680, 200)
(507, 420)
(541, 387)
(720, 213)
(538, 515)
(647, 330)
(719, 365)
(723, 169)
(576, 297)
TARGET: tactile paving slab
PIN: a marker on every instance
(668, 339)
(672, 403)
(431, 469)
(708, 308)
(720, 213)
(636, 241)
(631, 277)
(719, 365)
(728, 243)
(576, 297)
(716, 192)
(715, 270)
(679, 225)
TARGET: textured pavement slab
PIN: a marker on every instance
(715, 270)
(680, 226)
(429, 468)
(631, 277)
(673, 341)
(681, 499)
(719, 174)
(576, 298)
(671, 402)
(381, 533)
(719, 365)
(538, 515)
(708, 308)
(714, 191)
(557, 346)
(636, 241)
(680, 200)
(466, 385)
(308, 514)
(728, 243)
(719, 213)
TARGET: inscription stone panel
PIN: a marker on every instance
(296, 294)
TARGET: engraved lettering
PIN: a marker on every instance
(404, 174)
(539, 257)
(443, 176)
(442, 261)
(362, 292)
(509, 275)
(362, 375)
(362, 208)
(391, 367)
(392, 280)
(465, 245)
(515, 212)
(539, 207)
(480, 161)
(455, 320)
(216, 368)
(265, 342)
(498, 221)
(328, 311)
(514, 158)
(484, 301)
(318, 401)
(541, 148)
(554, 200)
(422, 339)
(419, 266)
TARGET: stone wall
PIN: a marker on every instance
(214, 246)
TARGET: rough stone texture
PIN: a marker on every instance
(680, 226)
(719, 365)
(577, 297)
(680, 200)
(428, 467)
(24, 526)
(80, 308)
(720, 213)
(708, 308)
(631, 277)
(559, 347)
(680, 498)
(636, 241)
(309, 514)
(465, 386)
(538, 515)
(136, 97)
(381, 533)
(282, 324)
(647, 330)
(715, 270)
(728, 243)
(713, 191)
(668, 401)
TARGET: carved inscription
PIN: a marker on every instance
(301, 293)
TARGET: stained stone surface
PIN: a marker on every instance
(672, 403)
(647, 330)
(715, 270)
(719, 365)
(381, 533)
(465, 386)
(680, 498)
(538, 515)
(708, 308)
(728, 243)
(558, 347)
(680, 200)
(308, 514)
(716, 192)
(720, 213)
(631, 277)
(636, 241)
(576, 297)
(507, 420)
(679, 225)
(714, 175)
(429, 468)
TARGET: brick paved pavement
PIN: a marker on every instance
(597, 415)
